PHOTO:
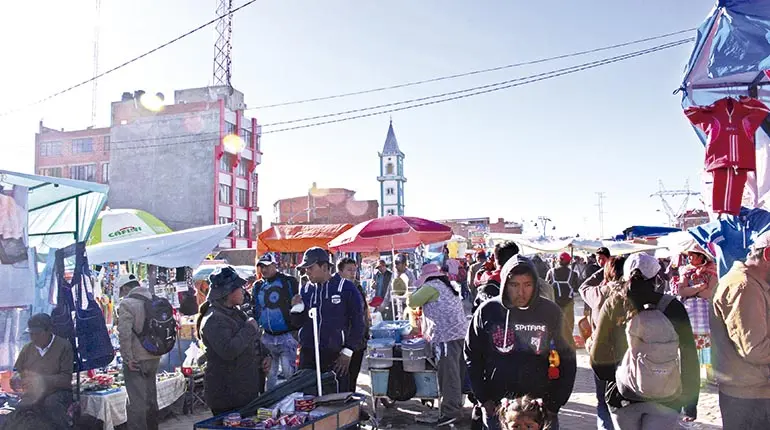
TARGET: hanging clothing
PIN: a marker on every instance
(732, 236)
(12, 218)
(730, 126)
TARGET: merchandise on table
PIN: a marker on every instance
(391, 329)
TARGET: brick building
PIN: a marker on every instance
(692, 218)
(80, 154)
(324, 206)
(190, 163)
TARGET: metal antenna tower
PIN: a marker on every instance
(600, 205)
(223, 46)
(663, 193)
(96, 61)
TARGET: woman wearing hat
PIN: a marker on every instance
(444, 326)
(694, 287)
(232, 375)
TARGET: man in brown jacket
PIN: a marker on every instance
(740, 336)
(45, 367)
(139, 366)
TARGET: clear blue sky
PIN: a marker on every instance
(540, 149)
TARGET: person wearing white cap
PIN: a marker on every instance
(635, 319)
(740, 340)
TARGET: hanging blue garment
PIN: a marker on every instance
(732, 236)
(44, 286)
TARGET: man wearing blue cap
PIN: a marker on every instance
(340, 310)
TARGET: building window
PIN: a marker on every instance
(254, 197)
(241, 197)
(389, 191)
(85, 172)
(224, 220)
(85, 144)
(242, 170)
(224, 194)
(391, 212)
(48, 149)
(106, 173)
(247, 134)
(229, 128)
(389, 169)
(106, 144)
(51, 171)
(226, 163)
(241, 227)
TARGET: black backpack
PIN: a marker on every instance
(158, 334)
(563, 289)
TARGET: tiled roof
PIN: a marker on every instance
(391, 143)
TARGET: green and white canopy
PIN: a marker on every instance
(120, 224)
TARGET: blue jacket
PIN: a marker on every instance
(272, 303)
(340, 310)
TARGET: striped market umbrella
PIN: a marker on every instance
(121, 224)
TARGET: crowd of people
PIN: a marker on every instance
(501, 326)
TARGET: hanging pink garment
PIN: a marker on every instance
(11, 219)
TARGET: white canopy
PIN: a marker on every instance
(185, 248)
(679, 243)
(533, 246)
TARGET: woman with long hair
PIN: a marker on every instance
(444, 326)
(611, 343)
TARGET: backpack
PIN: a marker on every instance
(650, 369)
(563, 289)
(158, 334)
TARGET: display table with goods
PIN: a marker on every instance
(104, 397)
(294, 405)
(401, 365)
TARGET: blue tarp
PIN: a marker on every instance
(732, 50)
(646, 231)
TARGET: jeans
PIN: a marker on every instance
(283, 353)
(451, 375)
(603, 418)
(142, 395)
(744, 414)
(646, 416)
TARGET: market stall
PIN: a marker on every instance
(529, 246)
(395, 340)
(107, 402)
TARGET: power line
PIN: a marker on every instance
(462, 96)
(476, 88)
(133, 60)
(197, 138)
(474, 72)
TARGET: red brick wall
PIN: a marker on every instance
(99, 155)
(332, 206)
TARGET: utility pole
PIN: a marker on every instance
(600, 205)
(544, 220)
(96, 61)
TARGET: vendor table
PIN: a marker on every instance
(335, 417)
(110, 406)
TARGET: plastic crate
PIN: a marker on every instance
(426, 382)
(391, 329)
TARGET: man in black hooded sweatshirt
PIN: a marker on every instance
(509, 342)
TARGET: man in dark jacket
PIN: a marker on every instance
(272, 303)
(508, 345)
(382, 280)
(234, 357)
(340, 310)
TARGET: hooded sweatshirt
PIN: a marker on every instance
(507, 347)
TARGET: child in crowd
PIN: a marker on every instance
(522, 413)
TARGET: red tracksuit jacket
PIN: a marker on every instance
(730, 126)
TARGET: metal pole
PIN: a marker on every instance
(314, 315)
